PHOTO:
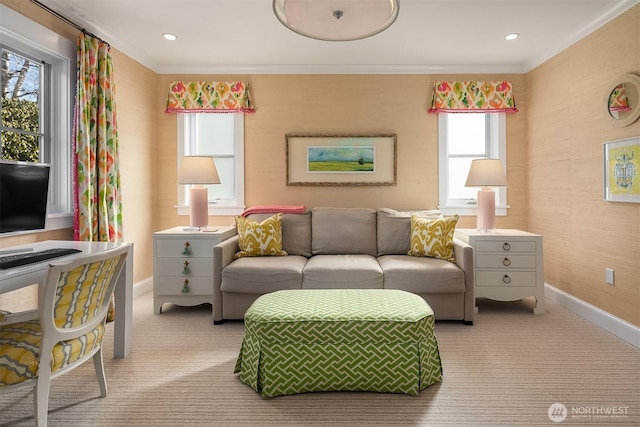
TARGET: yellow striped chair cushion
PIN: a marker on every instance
(20, 346)
(82, 292)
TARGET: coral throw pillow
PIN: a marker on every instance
(259, 238)
(433, 237)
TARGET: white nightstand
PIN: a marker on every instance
(183, 265)
(508, 264)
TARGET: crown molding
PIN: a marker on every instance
(345, 69)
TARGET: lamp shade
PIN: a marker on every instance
(198, 170)
(486, 173)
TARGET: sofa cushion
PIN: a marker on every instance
(260, 238)
(296, 232)
(433, 238)
(421, 275)
(342, 272)
(394, 229)
(343, 231)
(263, 274)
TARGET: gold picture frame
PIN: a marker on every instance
(341, 160)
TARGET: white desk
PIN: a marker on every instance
(20, 277)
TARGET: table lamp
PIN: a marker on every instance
(486, 173)
(198, 170)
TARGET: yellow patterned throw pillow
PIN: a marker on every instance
(259, 238)
(433, 237)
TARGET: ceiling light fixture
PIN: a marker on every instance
(512, 36)
(336, 20)
(169, 36)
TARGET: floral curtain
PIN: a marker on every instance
(209, 97)
(98, 213)
(473, 97)
(618, 100)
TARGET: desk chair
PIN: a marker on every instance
(68, 329)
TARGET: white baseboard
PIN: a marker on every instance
(142, 287)
(618, 327)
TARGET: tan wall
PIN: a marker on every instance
(366, 104)
(583, 234)
(136, 92)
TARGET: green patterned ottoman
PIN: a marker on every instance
(339, 339)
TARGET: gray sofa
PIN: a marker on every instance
(344, 248)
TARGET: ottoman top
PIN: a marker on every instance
(299, 305)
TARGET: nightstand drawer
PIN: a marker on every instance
(186, 267)
(506, 278)
(508, 261)
(505, 246)
(174, 247)
(174, 285)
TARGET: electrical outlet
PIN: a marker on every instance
(610, 276)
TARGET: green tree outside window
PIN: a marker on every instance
(20, 82)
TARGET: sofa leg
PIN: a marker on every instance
(218, 322)
(468, 322)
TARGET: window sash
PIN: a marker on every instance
(495, 147)
(231, 203)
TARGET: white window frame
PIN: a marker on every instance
(24, 35)
(186, 146)
(496, 137)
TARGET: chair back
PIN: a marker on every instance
(77, 293)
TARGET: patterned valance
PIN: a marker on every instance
(473, 97)
(209, 97)
(618, 100)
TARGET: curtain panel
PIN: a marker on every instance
(473, 97)
(209, 97)
(98, 205)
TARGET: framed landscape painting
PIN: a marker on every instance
(341, 159)
(622, 170)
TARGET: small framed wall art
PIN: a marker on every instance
(622, 170)
(341, 159)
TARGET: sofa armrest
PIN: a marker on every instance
(223, 254)
(464, 259)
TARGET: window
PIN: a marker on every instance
(463, 137)
(23, 111)
(220, 136)
(38, 89)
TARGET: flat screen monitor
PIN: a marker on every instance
(24, 194)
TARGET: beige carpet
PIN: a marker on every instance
(507, 370)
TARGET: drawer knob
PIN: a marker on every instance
(506, 262)
(506, 279)
(187, 249)
(506, 246)
(185, 268)
(185, 287)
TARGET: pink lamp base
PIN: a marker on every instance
(486, 209)
(199, 206)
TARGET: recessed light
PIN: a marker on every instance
(169, 36)
(512, 36)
